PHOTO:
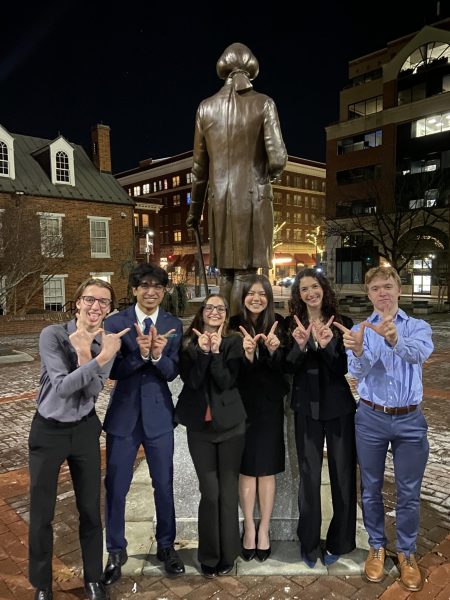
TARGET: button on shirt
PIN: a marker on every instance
(392, 376)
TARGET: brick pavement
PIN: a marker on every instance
(17, 391)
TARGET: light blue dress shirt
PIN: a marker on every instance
(392, 376)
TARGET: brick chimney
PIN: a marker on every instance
(101, 148)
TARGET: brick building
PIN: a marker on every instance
(162, 191)
(63, 217)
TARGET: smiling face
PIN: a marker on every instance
(149, 295)
(311, 292)
(384, 294)
(256, 299)
(214, 313)
(93, 306)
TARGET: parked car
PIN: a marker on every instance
(286, 281)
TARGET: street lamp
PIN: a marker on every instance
(149, 243)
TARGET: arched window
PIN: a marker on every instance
(62, 167)
(4, 162)
(425, 55)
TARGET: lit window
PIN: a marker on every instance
(176, 181)
(137, 190)
(62, 167)
(176, 200)
(103, 276)
(146, 188)
(4, 163)
(177, 236)
(99, 234)
(188, 177)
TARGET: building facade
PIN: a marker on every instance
(388, 164)
(162, 192)
(63, 218)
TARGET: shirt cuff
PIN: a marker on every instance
(155, 360)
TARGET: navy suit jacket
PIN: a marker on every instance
(141, 389)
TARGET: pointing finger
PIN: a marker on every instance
(197, 332)
(244, 332)
(219, 331)
(297, 320)
(330, 320)
(341, 327)
(273, 328)
(123, 332)
(169, 333)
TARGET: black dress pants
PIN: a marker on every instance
(50, 444)
(217, 460)
(341, 454)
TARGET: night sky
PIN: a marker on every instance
(144, 67)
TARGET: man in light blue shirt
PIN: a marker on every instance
(385, 355)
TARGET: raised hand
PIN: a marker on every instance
(271, 341)
(144, 341)
(300, 334)
(323, 333)
(110, 345)
(204, 340)
(216, 339)
(386, 328)
(159, 341)
(81, 340)
(249, 343)
(353, 340)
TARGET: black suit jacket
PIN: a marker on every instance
(211, 379)
(320, 388)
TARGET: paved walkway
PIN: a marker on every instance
(18, 383)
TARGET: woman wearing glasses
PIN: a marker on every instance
(263, 387)
(211, 408)
(76, 361)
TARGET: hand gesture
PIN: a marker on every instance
(110, 345)
(353, 340)
(158, 341)
(249, 343)
(323, 333)
(300, 334)
(204, 340)
(216, 339)
(143, 341)
(386, 328)
(271, 341)
(81, 340)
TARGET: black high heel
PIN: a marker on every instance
(247, 553)
(263, 555)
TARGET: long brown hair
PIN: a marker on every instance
(199, 324)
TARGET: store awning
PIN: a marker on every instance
(307, 260)
(282, 259)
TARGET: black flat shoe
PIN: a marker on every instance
(113, 570)
(208, 572)
(46, 594)
(224, 569)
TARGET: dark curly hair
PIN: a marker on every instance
(329, 301)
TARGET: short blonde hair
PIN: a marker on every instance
(384, 273)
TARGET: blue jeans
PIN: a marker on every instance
(407, 435)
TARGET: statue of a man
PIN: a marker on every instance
(238, 151)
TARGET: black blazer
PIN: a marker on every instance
(211, 379)
(320, 388)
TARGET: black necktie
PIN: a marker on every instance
(147, 324)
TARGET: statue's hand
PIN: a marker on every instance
(192, 222)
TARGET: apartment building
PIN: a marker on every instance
(388, 164)
(162, 192)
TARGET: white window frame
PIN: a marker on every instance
(8, 140)
(107, 253)
(57, 217)
(62, 145)
(47, 280)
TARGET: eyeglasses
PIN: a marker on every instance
(90, 300)
(209, 308)
(158, 287)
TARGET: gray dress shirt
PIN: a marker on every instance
(68, 392)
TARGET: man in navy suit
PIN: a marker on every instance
(140, 411)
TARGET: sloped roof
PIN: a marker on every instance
(33, 180)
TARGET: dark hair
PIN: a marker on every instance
(98, 282)
(198, 322)
(266, 318)
(147, 271)
(329, 302)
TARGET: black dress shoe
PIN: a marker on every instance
(208, 572)
(224, 569)
(95, 590)
(46, 594)
(172, 562)
(113, 571)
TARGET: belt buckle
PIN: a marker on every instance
(386, 410)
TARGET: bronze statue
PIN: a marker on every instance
(238, 151)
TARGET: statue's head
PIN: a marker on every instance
(237, 57)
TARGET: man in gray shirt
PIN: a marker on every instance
(76, 360)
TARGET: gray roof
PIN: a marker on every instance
(32, 178)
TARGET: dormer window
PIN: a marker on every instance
(62, 162)
(62, 167)
(6, 154)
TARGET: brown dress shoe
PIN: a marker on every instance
(410, 574)
(374, 565)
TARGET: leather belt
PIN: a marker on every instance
(388, 410)
(56, 423)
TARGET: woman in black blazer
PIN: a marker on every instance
(324, 410)
(262, 386)
(211, 408)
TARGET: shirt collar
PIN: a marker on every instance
(141, 315)
(374, 317)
